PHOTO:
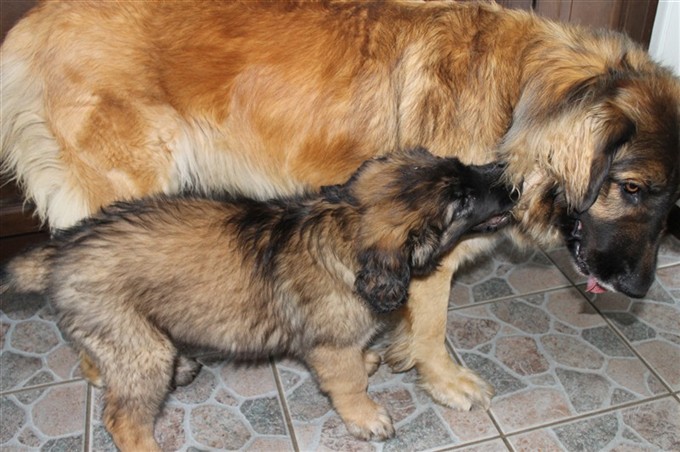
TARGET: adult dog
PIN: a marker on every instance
(300, 276)
(111, 100)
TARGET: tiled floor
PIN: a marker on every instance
(572, 372)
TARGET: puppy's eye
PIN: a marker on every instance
(631, 187)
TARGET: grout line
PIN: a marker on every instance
(41, 386)
(452, 351)
(511, 297)
(284, 405)
(465, 445)
(558, 267)
(668, 265)
(87, 435)
(591, 414)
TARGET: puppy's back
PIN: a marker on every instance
(156, 239)
(150, 239)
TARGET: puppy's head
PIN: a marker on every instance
(414, 208)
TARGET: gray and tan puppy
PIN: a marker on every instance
(305, 276)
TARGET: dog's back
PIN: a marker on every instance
(200, 97)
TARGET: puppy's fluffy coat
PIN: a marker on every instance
(303, 276)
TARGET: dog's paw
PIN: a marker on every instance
(377, 427)
(460, 389)
(186, 370)
(372, 361)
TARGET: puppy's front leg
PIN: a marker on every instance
(342, 375)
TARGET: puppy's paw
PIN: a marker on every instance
(461, 389)
(372, 361)
(186, 370)
(377, 427)
(90, 370)
(398, 357)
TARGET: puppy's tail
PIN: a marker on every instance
(28, 272)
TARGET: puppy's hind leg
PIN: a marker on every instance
(137, 365)
(133, 397)
(90, 370)
(342, 375)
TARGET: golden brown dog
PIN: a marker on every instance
(302, 276)
(105, 101)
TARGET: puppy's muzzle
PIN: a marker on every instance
(494, 223)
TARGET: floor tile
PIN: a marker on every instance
(496, 445)
(669, 251)
(50, 418)
(33, 350)
(563, 260)
(227, 407)
(651, 324)
(550, 357)
(650, 426)
(420, 424)
(506, 271)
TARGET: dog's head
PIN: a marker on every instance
(414, 207)
(602, 143)
(614, 232)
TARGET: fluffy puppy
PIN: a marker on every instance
(305, 276)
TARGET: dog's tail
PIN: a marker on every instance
(28, 272)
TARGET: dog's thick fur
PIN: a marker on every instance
(110, 100)
(301, 276)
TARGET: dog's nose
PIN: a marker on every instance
(576, 230)
(515, 194)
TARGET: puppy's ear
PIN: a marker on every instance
(615, 130)
(335, 193)
(383, 279)
(425, 250)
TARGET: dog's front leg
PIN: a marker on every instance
(419, 340)
(342, 374)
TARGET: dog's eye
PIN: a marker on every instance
(631, 187)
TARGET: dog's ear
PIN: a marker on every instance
(383, 279)
(614, 130)
(569, 127)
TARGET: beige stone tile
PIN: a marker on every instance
(51, 418)
(650, 426)
(550, 357)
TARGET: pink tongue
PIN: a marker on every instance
(593, 287)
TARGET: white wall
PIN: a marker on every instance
(664, 46)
